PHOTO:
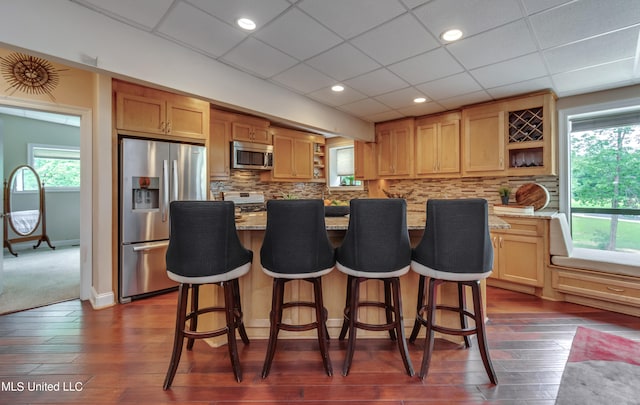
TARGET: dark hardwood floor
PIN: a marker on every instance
(69, 353)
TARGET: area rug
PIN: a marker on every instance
(602, 369)
(39, 277)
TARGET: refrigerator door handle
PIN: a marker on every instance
(175, 179)
(165, 190)
(151, 246)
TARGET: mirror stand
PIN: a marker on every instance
(10, 218)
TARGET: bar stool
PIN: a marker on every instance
(296, 247)
(204, 248)
(375, 247)
(456, 247)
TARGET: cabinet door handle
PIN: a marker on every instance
(168, 127)
(501, 240)
(162, 126)
(619, 290)
(493, 240)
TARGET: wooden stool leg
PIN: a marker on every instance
(277, 301)
(238, 311)
(462, 307)
(417, 323)
(231, 330)
(321, 319)
(354, 289)
(193, 323)
(482, 339)
(389, 307)
(347, 305)
(399, 325)
(429, 339)
(178, 338)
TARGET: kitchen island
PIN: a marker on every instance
(255, 287)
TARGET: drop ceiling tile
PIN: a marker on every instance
(414, 3)
(343, 62)
(511, 71)
(401, 98)
(367, 106)
(303, 79)
(417, 110)
(535, 6)
(145, 13)
(581, 19)
(451, 86)
(616, 45)
(426, 67)
(327, 96)
(198, 30)
(594, 78)
(506, 42)
(298, 35)
(471, 16)
(385, 116)
(466, 99)
(259, 58)
(521, 88)
(261, 12)
(396, 40)
(377, 82)
(353, 17)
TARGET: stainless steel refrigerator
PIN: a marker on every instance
(152, 174)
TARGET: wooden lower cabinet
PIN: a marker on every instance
(518, 253)
(256, 289)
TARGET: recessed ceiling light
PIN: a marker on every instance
(337, 88)
(451, 35)
(419, 100)
(246, 24)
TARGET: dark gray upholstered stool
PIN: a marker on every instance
(204, 248)
(456, 247)
(296, 247)
(375, 247)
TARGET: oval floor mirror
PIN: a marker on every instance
(24, 208)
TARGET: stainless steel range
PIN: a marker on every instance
(246, 201)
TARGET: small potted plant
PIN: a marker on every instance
(505, 193)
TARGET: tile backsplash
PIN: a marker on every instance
(421, 189)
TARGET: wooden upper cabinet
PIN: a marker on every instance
(483, 140)
(395, 148)
(187, 117)
(437, 146)
(219, 148)
(251, 129)
(150, 111)
(142, 114)
(512, 137)
(292, 154)
(364, 160)
(531, 130)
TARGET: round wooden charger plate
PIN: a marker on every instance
(533, 194)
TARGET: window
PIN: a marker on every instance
(605, 180)
(58, 166)
(341, 167)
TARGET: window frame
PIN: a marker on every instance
(331, 146)
(30, 160)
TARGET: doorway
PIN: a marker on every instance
(83, 244)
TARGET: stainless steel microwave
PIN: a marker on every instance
(255, 156)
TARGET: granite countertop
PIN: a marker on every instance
(415, 221)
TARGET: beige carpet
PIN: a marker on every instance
(40, 277)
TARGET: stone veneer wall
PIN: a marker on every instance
(422, 189)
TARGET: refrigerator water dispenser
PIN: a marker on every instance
(145, 193)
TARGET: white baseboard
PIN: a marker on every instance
(104, 300)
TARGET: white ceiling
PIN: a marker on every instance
(387, 52)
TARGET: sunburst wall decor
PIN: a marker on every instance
(29, 74)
